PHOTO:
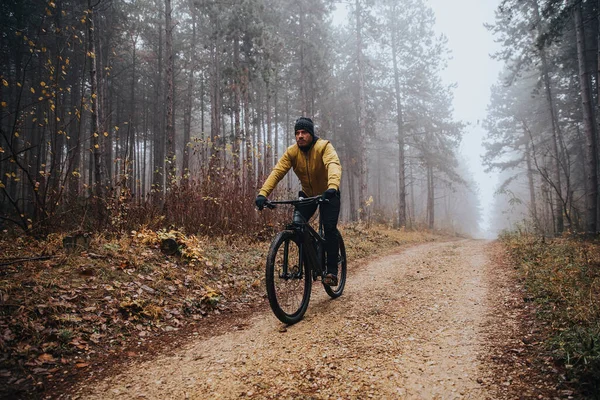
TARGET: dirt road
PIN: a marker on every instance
(409, 325)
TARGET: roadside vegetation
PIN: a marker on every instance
(562, 277)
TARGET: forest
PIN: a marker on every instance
(171, 113)
(135, 121)
(542, 116)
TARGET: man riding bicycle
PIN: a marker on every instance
(318, 167)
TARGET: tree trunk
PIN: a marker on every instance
(598, 105)
(260, 138)
(412, 197)
(286, 132)
(303, 101)
(589, 125)
(247, 136)
(158, 176)
(144, 165)
(530, 180)
(187, 115)
(96, 127)
(215, 120)
(236, 106)
(400, 127)
(129, 163)
(170, 132)
(202, 123)
(106, 148)
(352, 194)
(57, 140)
(362, 115)
(556, 133)
(268, 162)
(275, 132)
(74, 175)
(430, 198)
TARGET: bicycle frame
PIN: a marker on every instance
(312, 243)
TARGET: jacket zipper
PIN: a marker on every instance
(308, 171)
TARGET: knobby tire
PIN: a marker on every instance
(336, 291)
(288, 294)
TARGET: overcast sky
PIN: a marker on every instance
(474, 72)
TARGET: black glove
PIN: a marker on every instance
(329, 194)
(260, 201)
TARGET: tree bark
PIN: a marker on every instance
(268, 162)
(412, 206)
(187, 115)
(129, 164)
(556, 133)
(96, 127)
(400, 127)
(170, 132)
(202, 122)
(362, 121)
(598, 105)
(215, 120)
(430, 197)
(530, 180)
(352, 193)
(276, 126)
(303, 101)
(158, 177)
(247, 136)
(236, 106)
(74, 174)
(589, 125)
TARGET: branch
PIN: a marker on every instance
(546, 177)
(22, 151)
(22, 259)
(23, 224)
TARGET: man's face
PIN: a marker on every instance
(303, 138)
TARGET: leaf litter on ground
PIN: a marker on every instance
(59, 315)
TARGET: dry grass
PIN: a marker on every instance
(563, 276)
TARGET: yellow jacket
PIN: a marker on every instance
(318, 169)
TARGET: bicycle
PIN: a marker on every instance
(296, 255)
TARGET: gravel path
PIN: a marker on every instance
(409, 325)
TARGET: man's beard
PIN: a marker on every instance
(307, 147)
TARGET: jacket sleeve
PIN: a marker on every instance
(283, 166)
(334, 167)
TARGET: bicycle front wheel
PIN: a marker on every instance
(336, 291)
(288, 282)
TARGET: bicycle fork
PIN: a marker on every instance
(287, 271)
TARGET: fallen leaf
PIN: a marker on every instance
(46, 358)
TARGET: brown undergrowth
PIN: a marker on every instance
(61, 312)
(562, 278)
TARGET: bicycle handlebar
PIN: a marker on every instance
(301, 200)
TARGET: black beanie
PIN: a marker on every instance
(306, 124)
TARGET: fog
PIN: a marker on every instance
(474, 72)
(136, 102)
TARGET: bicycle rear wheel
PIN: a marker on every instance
(336, 291)
(288, 282)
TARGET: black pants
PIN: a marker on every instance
(330, 213)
